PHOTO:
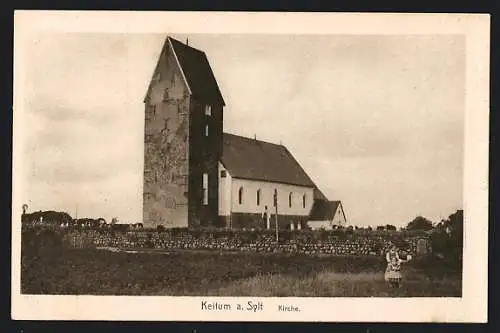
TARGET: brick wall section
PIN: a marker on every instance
(255, 221)
(310, 243)
(166, 148)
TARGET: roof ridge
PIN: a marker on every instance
(198, 72)
(253, 139)
(195, 68)
(249, 158)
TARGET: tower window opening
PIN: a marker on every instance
(205, 189)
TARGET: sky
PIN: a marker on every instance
(377, 121)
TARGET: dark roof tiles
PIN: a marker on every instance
(323, 210)
(318, 195)
(259, 160)
(198, 73)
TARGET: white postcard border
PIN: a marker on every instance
(472, 307)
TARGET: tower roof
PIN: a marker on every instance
(197, 72)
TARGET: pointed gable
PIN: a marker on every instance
(196, 72)
(161, 57)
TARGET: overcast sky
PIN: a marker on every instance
(376, 121)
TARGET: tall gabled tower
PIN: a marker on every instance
(183, 140)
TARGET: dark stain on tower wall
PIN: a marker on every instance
(166, 152)
(205, 138)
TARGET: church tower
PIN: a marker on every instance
(182, 140)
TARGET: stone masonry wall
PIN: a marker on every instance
(165, 146)
(305, 242)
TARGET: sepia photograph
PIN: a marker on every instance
(233, 165)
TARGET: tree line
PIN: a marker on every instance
(64, 219)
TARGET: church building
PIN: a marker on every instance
(197, 176)
(256, 177)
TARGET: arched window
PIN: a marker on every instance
(290, 200)
(258, 197)
(240, 195)
(304, 201)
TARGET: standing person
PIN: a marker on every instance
(393, 271)
(266, 218)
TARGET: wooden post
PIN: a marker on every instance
(277, 239)
(276, 217)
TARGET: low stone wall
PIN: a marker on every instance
(305, 242)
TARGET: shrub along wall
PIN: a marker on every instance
(304, 241)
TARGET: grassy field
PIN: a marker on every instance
(187, 273)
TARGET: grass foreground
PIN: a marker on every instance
(188, 273)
